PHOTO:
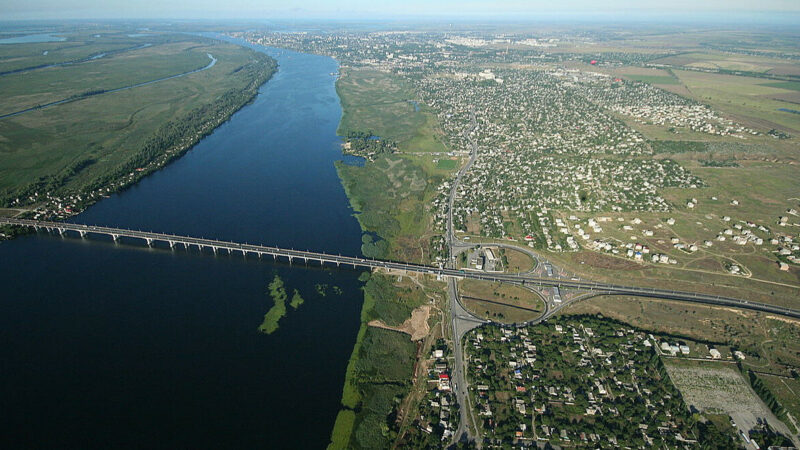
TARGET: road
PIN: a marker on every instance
(461, 320)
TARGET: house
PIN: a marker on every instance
(715, 354)
(444, 382)
(783, 266)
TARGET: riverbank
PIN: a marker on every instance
(391, 194)
(108, 143)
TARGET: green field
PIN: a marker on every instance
(390, 195)
(84, 144)
(790, 85)
(446, 164)
(653, 79)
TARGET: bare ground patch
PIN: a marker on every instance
(416, 326)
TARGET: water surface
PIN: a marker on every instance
(118, 345)
(32, 38)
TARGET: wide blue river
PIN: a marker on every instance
(118, 345)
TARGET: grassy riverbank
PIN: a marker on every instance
(391, 195)
(380, 369)
(65, 157)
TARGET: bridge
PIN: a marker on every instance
(324, 258)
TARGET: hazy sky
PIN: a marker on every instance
(252, 9)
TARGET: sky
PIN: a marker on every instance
(383, 9)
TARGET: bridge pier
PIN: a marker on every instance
(115, 237)
(83, 233)
(149, 242)
(61, 232)
(171, 244)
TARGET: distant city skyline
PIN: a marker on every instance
(683, 10)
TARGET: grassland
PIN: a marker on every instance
(446, 164)
(516, 262)
(104, 132)
(500, 302)
(382, 103)
(787, 391)
(392, 193)
(653, 79)
(729, 61)
(752, 101)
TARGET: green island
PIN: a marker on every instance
(58, 160)
(278, 293)
(297, 300)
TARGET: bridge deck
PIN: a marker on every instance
(323, 258)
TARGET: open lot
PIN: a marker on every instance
(719, 388)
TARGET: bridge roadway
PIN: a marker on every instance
(323, 258)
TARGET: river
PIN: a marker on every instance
(119, 345)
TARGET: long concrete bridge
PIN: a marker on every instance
(323, 258)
